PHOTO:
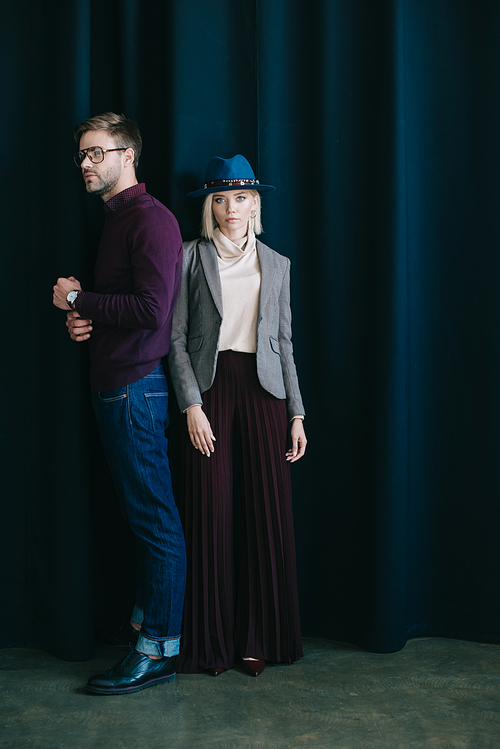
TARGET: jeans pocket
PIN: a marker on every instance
(107, 396)
(157, 404)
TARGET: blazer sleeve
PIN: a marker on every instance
(184, 381)
(295, 406)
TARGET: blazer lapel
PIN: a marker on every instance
(208, 255)
(268, 272)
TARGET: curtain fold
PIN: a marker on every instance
(378, 123)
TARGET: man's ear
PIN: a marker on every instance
(129, 157)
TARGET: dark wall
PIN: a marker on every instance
(379, 123)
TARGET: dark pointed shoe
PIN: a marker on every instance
(217, 671)
(254, 668)
(133, 673)
(118, 639)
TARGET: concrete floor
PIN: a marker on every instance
(434, 694)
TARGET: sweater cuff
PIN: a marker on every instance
(79, 302)
(299, 416)
(88, 304)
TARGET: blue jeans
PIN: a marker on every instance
(132, 422)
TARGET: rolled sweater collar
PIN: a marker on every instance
(228, 249)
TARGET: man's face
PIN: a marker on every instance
(101, 179)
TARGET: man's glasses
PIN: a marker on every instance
(95, 154)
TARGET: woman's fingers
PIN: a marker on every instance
(203, 443)
(299, 441)
(200, 431)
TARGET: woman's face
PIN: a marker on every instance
(232, 210)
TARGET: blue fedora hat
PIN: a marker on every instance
(229, 174)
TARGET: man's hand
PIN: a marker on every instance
(79, 329)
(62, 289)
(200, 431)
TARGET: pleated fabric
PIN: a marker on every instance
(259, 616)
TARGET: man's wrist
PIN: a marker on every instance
(71, 298)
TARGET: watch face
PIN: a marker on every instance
(71, 297)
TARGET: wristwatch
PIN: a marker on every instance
(71, 298)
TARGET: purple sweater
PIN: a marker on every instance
(137, 276)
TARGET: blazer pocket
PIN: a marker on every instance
(194, 344)
(275, 345)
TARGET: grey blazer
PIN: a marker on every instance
(197, 319)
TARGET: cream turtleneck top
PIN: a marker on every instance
(240, 278)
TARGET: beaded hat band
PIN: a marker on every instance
(228, 174)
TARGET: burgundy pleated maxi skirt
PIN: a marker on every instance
(256, 616)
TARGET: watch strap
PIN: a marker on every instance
(71, 302)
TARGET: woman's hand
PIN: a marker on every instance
(200, 431)
(299, 441)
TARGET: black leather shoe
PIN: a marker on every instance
(118, 639)
(133, 673)
(216, 671)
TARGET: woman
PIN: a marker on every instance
(234, 375)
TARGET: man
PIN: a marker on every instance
(128, 320)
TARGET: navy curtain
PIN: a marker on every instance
(379, 124)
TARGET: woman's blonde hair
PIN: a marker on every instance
(209, 224)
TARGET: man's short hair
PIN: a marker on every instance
(124, 131)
